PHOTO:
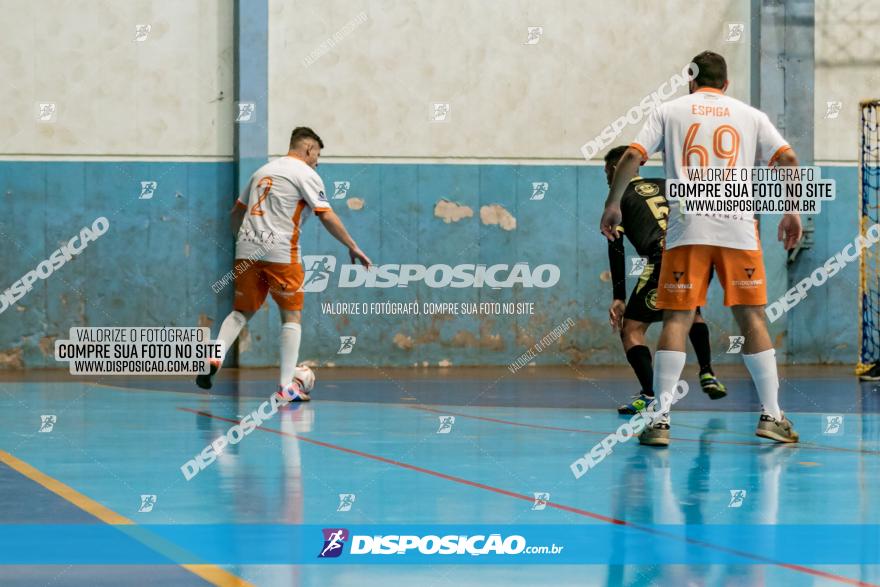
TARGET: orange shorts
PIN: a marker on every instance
(254, 279)
(685, 273)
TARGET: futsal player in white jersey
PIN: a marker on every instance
(267, 219)
(709, 129)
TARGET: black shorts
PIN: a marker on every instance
(642, 303)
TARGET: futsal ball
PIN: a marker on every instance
(306, 377)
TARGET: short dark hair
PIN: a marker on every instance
(712, 70)
(301, 133)
(614, 155)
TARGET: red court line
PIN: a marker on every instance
(530, 499)
(599, 433)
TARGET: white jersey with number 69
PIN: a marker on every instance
(279, 197)
(709, 129)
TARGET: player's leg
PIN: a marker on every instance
(760, 359)
(641, 311)
(285, 286)
(699, 336)
(632, 335)
(744, 280)
(684, 280)
(291, 335)
(250, 293)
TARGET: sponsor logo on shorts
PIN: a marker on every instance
(651, 299)
(747, 283)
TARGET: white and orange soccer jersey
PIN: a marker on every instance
(279, 198)
(709, 129)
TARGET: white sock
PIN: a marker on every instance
(229, 330)
(668, 366)
(762, 367)
(291, 332)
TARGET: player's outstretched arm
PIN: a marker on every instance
(335, 227)
(625, 170)
(790, 229)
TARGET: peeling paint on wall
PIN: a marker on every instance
(11, 359)
(451, 211)
(47, 346)
(497, 214)
(355, 204)
(403, 341)
(605, 276)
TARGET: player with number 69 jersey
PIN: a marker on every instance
(707, 128)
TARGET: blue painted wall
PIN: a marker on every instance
(156, 264)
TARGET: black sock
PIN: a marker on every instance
(640, 359)
(699, 336)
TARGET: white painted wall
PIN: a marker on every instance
(370, 95)
(116, 96)
(847, 71)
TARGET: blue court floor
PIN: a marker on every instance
(388, 444)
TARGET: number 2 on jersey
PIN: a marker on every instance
(266, 185)
(729, 154)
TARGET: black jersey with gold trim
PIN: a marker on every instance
(645, 213)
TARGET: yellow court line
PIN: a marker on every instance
(210, 573)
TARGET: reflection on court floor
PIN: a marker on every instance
(371, 453)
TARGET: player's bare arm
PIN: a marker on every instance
(626, 169)
(335, 227)
(790, 229)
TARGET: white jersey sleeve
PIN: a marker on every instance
(770, 143)
(650, 138)
(312, 190)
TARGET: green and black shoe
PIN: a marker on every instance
(711, 386)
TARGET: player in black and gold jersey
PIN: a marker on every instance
(644, 212)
